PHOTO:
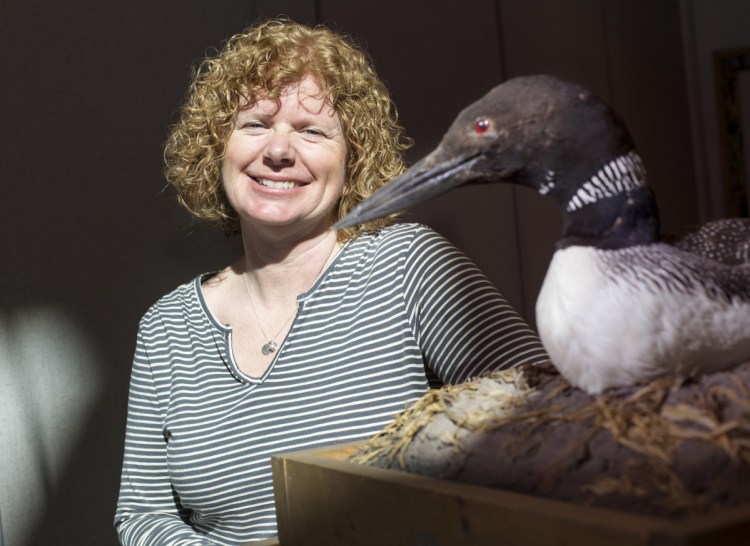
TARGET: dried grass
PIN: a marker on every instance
(648, 424)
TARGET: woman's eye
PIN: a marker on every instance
(313, 133)
(251, 125)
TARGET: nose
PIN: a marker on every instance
(279, 150)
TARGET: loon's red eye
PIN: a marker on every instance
(482, 126)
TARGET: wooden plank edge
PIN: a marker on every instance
(661, 530)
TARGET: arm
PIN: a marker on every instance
(148, 511)
(463, 324)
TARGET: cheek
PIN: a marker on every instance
(342, 168)
(226, 189)
(237, 150)
(229, 166)
(339, 187)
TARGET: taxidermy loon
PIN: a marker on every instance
(618, 305)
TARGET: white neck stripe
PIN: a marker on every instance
(622, 174)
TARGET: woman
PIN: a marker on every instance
(312, 337)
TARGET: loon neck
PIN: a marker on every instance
(620, 221)
(610, 207)
(622, 174)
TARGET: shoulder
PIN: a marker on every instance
(411, 230)
(398, 236)
(422, 243)
(182, 301)
(406, 241)
(405, 249)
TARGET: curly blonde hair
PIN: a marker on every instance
(261, 62)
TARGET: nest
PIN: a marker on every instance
(671, 448)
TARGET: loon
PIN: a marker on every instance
(619, 305)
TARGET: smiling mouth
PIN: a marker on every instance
(278, 184)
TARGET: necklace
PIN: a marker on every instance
(270, 345)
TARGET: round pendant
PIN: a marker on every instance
(269, 347)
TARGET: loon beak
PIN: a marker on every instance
(426, 179)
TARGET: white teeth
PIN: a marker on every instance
(285, 185)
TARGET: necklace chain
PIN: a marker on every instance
(270, 345)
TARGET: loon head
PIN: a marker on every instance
(548, 134)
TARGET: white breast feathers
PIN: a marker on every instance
(619, 317)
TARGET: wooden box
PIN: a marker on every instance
(323, 499)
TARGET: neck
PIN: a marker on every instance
(278, 269)
(624, 220)
(612, 208)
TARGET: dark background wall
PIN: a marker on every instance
(90, 236)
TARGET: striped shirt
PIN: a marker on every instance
(394, 313)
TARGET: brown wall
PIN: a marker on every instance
(440, 59)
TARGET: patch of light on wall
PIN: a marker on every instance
(49, 379)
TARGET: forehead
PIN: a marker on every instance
(307, 96)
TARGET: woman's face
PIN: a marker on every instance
(285, 162)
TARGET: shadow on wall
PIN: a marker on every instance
(50, 382)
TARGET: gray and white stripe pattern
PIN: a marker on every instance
(620, 175)
(393, 311)
(661, 269)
